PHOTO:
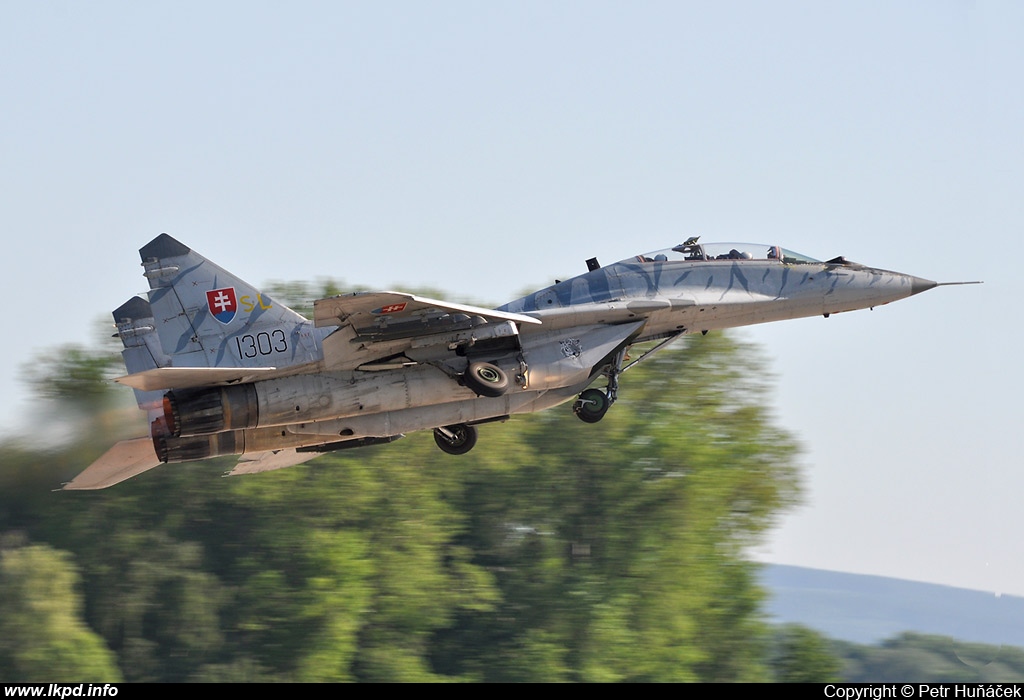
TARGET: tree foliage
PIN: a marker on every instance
(556, 550)
(42, 635)
(915, 657)
(804, 656)
(620, 550)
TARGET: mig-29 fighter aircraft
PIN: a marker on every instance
(223, 369)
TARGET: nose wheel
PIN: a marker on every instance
(455, 439)
(591, 405)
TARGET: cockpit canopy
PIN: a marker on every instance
(693, 251)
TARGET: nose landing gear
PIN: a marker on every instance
(591, 405)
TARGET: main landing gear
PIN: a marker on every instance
(455, 439)
(486, 379)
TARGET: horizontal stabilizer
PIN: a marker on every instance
(270, 460)
(187, 377)
(124, 460)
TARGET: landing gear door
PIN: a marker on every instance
(568, 357)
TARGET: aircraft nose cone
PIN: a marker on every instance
(919, 284)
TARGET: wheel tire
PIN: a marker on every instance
(465, 439)
(591, 405)
(486, 379)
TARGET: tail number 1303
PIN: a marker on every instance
(261, 343)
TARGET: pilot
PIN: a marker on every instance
(660, 257)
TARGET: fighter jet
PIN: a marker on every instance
(222, 368)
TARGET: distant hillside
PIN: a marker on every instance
(868, 609)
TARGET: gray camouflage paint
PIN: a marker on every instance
(710, 294)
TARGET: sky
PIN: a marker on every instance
(485, 149)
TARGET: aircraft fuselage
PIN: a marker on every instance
(220, 374)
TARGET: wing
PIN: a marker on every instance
(374, 313)
(375, 326)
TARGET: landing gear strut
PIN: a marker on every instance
(455, 439)
(592, 404)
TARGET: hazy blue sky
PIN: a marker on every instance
(483, 148)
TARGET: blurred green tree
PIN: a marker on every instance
(804, 656)
(42, 635)
(622, 547)
(556, 550)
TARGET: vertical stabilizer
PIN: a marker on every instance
(142, 350)
(207, 317)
